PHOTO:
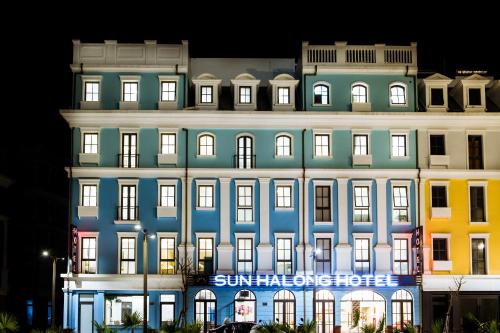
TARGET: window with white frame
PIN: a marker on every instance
(205, 255)
(89, 255)
(205, 196)
(321, 145)
(89, 195)
(118, 307)
(360, 142)
(397, 94)
(439, 196)
(244, 256)
(90, 143)
(127, 255)
(440, 249)
(245, 95)
(361, 204)
(359, 93)
(167, 195)
(167, 255)
(92, 91)
(283, 95)
(284, 256)
(401, 264)
(402, 310)
(206, 145)
(362, 256)
(167, 309)
(283, 196)
(130, 91)
(168, 143)
(477, 203)
(478, 255)
(323, 256)
(245, 203)
(321, 94)
(400, 204)
(207, 94)
(322, 200)
(399, 145)
(128, 208)
(283, 146)
(168, 91)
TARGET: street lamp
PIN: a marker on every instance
(145, 237)
(53, 259)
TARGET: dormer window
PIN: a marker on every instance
(475, 97)
(245, 95)
(245, 88)
(470, 93)
(207, 88)
(283, 92)
(207, 94)
(437, 96)
(434, 92)
(397, 94)
(321, 94)
(283, 95)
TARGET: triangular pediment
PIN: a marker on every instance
(475, 77)
(437, 77)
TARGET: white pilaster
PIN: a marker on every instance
(224, 211)
(421, 196)
(383, 256)
(342, 204)
(309, 269)
(264, 210)
(225, 259)
(302, 233)
(427, 260)
(183, 210)
(382, 211)
(343, 254)
(265, 255)
(189, 192)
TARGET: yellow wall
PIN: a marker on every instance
(459, 227)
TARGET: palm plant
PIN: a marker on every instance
(194, 327)
(103, 328)
(286, 328)
(409, 328)
(170, 327)
(8, 323)
(309, 326)
(368, 328)
(269, 327)
(437, 326)
(381, 325)
(132, 321)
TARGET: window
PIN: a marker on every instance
(360, 144)
(205, 309)
(283, 145)
(283, 196)
(245, 256)
(168, 143)
(89, 261)
(402, 309)
(440, 249)
(321, 94)
(398, 94)
(168, 91)
(478, 252)
(475, 151)
(244, 306)
(362, 256)
(128, 208)
(323, 204)
(167, 255)
(439, 196)
(89, 195)
(129, 156)
(117, 307)
(205, 255)
(359, 93)
(475, 96)
(167, 195)
(398, 145)
(324, 311)
(284, 256)
(437, 96)
(205, 196)
(127, 255)
(284, 307)
(400, 254)
(167, 309)
(361, 204)
(283, 95)
(206, 145)
(244, 208)
(130, 91)
(245, 158)
(323, 257)
(245, 95)
(437, 144)
(90, 142)
(207, 94)
(476, 197)
(92, 91)
(400, 204)
(321, 145)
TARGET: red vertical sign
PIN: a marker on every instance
(419, 262)
(74, 249)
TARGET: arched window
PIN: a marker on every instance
(244, 306)
(359, 93)
(370, 305)
(245, 158)
(205, 309)
(402, 309)
(397, 94)
(324, 311)
(206, 145)
(321, 94)
(284, 307)
(283, 145)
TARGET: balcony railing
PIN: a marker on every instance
(128, 160)
(127, 213)
(244, 161)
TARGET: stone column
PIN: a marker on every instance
(265, 249)
(225, 248)
(343, 250)
(382, 249)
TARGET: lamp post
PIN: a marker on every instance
(54, 260)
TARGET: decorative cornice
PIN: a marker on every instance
(459, 174)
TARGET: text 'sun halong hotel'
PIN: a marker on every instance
(288, 189)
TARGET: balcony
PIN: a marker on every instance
(244, 161)
(128, 160)
(127, 215)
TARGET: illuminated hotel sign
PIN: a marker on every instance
(339, 280)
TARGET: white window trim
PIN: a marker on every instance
(408, 237)
(448, 245)
(128, 182)
(439, 183)
(366, 132)
(483, 137)
(280, 157)
(364, 84)
(284, 182)
(88, 234)
(246, 182)
(168, 78)
(130, 131)
(322, 183)
(405, 86)
(484, 185)
(91, 104)
(486, 237)
(211, 235)
(329, 86)
(407, 184)
(362, 183)
(238, 235)
(89, 157)
(290, 235)
(331, 236)
(88, 211)
(357, 235)
(328, 132)
(160, 235)
(126, 79)
(121, 235)
(437, 132)
(168, 158)
(428, 91)
(198, 145)
(206, 182)
(167, 182)
(406, 133)
(472, 84)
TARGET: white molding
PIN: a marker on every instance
(245, 182)
(408, 237)
(406, 133)
(251, 235)
(472, 282)
(283, 81)
(198, 145)
(211, 235)
(484, 185)
(343, 227)
(130, 105)
(166, 211)
(407, 184)
(245, 80)
(441, 265)
(369, 184)
(90, 234)
(405, 86)
(92, 158)
(284, 182)
(486, 238)
(369, 235)
(481, 133)
(88, 211)
(359, 106)
(91, 105)
(292, 148)
(168, 158)
(328, 132)
(264, 215)
(134, 182)
(329, 86)
(118, 282)
(206, 182)
(290, 235)
(166, 105)
(120, 235)
(204, 80)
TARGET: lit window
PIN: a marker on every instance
(361, 204)
(283, 95)
(323, 256)
(91, 91)
(167, 309)
(402, 309)
(400, 204)
(362, 256)
(283, 196)
(478, 251)
(284, 307)
(128, 208)
(90, 143)
(88, 253)
(89, 195)
(205, 309)
(399, 145)
(245, 95)
(130, 91)
(321, 145)
(206, 145)
(244, 306)
(283, 145)
(206, 94)
(168, 91)
(127, 255)
(284, 256)
(245, 257)
(245, 199)
(118, 307)
(398, 95)
(321, 94)
(168, 143)
(360, 144)
(205, 255)
(167, 194)
(359, 94)
(205, 196)
(167, 255)
(400, 255)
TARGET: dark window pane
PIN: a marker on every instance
(439, 196)
(437, 96)
(478, 246)
(475, 152)
(477, 204)
(437, 145)
(474, 96)
(440, 249)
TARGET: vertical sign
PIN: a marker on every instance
(418, 240)
(74, 249)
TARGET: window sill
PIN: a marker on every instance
(361, 107)
(320, 105)
(362, 159)
(277, 157)
(362, 223)
(162, 211)
(88, 211)
(90, 105)
(437, 108)
(88, 158)
(245, 222)
(127, 222)
(206, 156)
(284, 209)
(206, 208)
(478, 223)
(167, 158)
(322, 157)
(401, 223)
(439, 160)
(440, 212)
(323, 222)
(167, 105)
(129, 105)
(442, 265)
(400, 158)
